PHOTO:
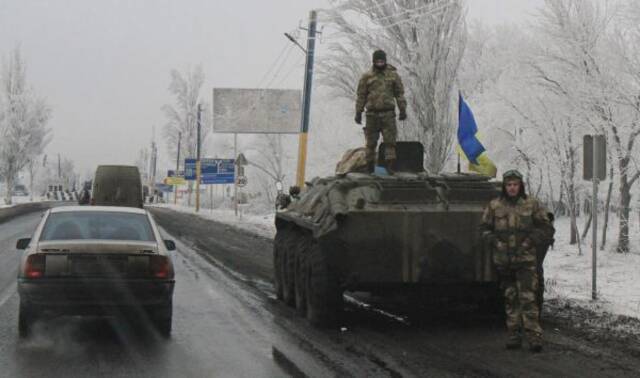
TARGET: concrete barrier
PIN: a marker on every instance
(8, 213)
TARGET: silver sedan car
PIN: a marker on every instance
(94, 261)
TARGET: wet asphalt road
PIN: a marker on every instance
(219, 329)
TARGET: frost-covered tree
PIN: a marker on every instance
(183, 114)
(142, 162)
(424, 39)
(23, 119)
(591, 59)
(269, 160)
(181, 117)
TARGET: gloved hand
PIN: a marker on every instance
(358, 118)
(403, 115)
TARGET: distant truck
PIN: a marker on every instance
(117, 185)
(409, 232)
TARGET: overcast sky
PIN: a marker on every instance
(104, 65)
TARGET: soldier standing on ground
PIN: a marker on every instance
(514, 226)
(378, 92)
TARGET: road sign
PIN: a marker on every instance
(190, 169)
(595, 169)
(218, 171)
(241, 160)
(175, 181)
(599, 153)
(242, 181)
(213, 171)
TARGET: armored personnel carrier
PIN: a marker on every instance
(376, 233)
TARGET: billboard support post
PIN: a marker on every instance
(306, 99)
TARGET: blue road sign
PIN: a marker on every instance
(190, 169)
(218, 171)
(214, 171)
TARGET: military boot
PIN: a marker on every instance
(514, 341)
(390, 165)
(535, 343)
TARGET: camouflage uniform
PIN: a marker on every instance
(378, 92)
(514, 228)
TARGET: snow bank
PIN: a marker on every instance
(568, 275)
(262, 224)
(16, 200)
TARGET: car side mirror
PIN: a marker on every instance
(23, 243)
(170, 244)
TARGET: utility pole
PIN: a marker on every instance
(306, 98)
(175, 195)
(59, 168)
(152, 170)
(198, 165)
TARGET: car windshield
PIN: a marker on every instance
(97, 225)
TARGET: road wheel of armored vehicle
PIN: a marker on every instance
(301, 269)
(288, 267)
(324, 295)
(278, 246)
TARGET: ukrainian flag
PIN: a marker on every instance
(469, 143)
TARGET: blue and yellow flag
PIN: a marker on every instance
(469, 143)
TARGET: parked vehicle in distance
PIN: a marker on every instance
(117, 185)
(94, 260)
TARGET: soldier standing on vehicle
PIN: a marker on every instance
(514, 226)
(379, 90)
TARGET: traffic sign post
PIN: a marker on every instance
(595, 169)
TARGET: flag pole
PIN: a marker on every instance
(459, 104)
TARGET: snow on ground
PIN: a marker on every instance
(262, 225)
(568, 274)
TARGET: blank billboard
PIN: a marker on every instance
(257, 111)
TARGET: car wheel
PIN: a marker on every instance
(162, 318)
(26, 319)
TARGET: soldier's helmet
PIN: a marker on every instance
(379, 55)
(511, 175)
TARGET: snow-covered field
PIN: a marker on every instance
(568, 275)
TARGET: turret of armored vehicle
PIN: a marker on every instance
(377, 233)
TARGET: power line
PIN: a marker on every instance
(291, 69)
(273, 65)
(279, 69)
